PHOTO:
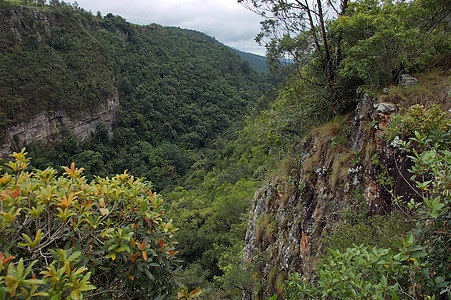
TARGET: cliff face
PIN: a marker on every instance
(340, 166)
(44, 128)
(54, 73)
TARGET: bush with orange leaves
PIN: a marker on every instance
(66, 238)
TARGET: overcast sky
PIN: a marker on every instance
(226, 20)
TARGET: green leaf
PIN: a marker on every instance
(55, 297)
(415, 248)
(111, 255)
(104, 211)
(123, 248)
(409, 239)
(383, 281)
(418, 135)
(29, 240)
(418, 254)
(74, 256)
(43, 294)
(81, 270)
(401, 257)
(20, 268)
(151, 277)
(153, 265)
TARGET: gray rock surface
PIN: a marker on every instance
(45, 126)
(408, 81)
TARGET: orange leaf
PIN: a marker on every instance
(5, 259)
(16, 193)
(144, 253)
(194, 292)
(141, 246)
(133, 257)
(160, 241)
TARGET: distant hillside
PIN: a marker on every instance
(257, 62)
(50, 61)
(179, 90)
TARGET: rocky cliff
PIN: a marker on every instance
(54, 73)
(44, 128)
(343, 166)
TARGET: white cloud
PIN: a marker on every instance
(228, 21)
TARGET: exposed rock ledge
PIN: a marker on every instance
(45, 126)
(291, 215)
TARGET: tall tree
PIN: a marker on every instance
(298, 28)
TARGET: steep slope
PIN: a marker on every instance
(178, 82)
(170, 92)
(53, 72)
(339, 189)
(257, 62)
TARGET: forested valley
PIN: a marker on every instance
(328, 178)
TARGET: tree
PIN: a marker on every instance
(54, 3)
(383, 39)
(298, 28)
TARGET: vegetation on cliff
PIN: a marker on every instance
(369, 45)
(181, 126)
(50, 62)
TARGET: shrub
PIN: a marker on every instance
(64, 237)
(417, 118)
(365, 272)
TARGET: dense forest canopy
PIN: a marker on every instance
(182, 96)
(178, 89)
(207, 131)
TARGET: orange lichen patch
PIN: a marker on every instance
(315, 213)
(304, 244)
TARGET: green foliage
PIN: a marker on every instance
(235, 279)
(51, 67)
(419, 268)
(382, 39)
(432, 175)
(418, 118)
(208, 227)
(257, 62)
(366, 272)
(297, 108)
(108, 237)
(178, 89)
(377, 231)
